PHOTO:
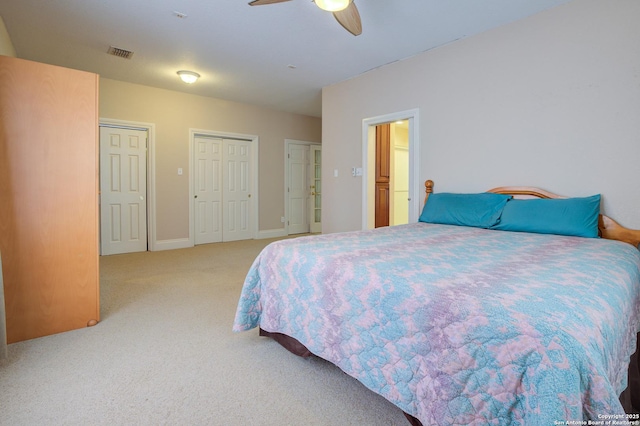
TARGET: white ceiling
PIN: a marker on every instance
(243, 53)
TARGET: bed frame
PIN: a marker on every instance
(608, 228)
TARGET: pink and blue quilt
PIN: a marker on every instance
(458, 325)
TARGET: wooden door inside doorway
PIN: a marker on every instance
(383, 174)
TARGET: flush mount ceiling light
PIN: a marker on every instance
(332, 5)
(188, 77)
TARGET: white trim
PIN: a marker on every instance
(151, 171)
(413, 115)
(178, 243)
(255, 144)
(287, 166)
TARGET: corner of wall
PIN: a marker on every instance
(6, 47)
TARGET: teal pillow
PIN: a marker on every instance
(566, 216)
(480, 210)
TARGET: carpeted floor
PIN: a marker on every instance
(164, 354)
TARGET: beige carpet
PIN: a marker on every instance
(164, 354)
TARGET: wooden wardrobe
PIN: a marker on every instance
(48, 198)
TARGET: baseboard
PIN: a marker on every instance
(271, 233)
(178, 243)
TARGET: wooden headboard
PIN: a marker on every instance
(608, 228)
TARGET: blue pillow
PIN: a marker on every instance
(480, 210)
(566, 216)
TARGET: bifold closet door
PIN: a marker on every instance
(222, 189)
(208, 190)
(236, 193)
(49, 193)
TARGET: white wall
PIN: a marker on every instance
(551, 101)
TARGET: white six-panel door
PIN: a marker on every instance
(222, 190)
(236, 196)
(123, 190)
(208, 190)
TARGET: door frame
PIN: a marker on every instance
(151, 171)
(287, 171)
(254, 203)
(368, 152)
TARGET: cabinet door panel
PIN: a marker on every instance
(49, 192)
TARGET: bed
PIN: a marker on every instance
(458, 323)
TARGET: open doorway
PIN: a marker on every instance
(391, 206)
(396, 195)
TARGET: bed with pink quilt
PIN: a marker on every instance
(459, 325)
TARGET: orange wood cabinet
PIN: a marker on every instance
(48, 198)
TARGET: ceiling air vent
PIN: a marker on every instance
(122, 53)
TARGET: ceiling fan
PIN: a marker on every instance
(345, 12)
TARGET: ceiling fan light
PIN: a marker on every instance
(188, 77)
(333, 5)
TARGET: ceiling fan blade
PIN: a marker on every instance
(261, 2)
(349, 18)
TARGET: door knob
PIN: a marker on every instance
(195, 196)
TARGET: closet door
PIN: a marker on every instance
(236, 169)
(222, 189)
(208, 190)
(49, 192)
